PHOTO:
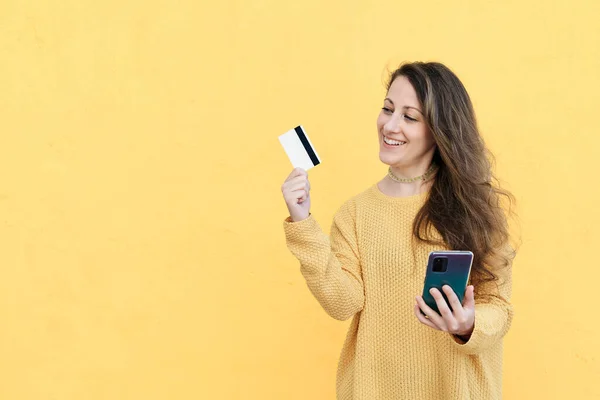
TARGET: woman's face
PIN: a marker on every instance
(404, 139)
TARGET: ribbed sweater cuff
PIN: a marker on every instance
(301, 231)
(488, 323)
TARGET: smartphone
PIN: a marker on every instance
(452, 268)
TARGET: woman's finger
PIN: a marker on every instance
(441, 303)
(296, 195)
(445, 312)
(469, 300)
(424, 320)
(294, 182)
(432, 315)
(297, 186)
(296, 172)
(453, 300)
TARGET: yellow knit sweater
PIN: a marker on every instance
(371, 269)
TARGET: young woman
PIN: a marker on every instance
(439, 193)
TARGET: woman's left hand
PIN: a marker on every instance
(459, 321)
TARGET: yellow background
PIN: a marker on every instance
(141, 244)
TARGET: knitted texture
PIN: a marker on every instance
(370, 268)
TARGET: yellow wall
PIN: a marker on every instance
(142, 251)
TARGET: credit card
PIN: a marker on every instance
(299, 148)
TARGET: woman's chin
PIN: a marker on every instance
(387, 159)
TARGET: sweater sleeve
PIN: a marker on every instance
(330, 264)
(493, 313)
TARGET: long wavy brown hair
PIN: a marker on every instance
(466, 205)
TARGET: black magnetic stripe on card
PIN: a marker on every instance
(307, 146)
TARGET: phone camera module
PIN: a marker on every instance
(440, 264)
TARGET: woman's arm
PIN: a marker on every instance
(493, 313)
(330, 265)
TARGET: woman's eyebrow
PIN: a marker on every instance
(414, 108)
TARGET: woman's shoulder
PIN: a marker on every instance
(372, 201)
(358, 200)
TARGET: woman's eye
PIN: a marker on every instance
(409, 118)
(387, 110)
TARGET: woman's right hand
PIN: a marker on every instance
(296, 193)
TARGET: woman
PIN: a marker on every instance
(438, 194)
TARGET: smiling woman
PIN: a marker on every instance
(406, 142)
(439, 194)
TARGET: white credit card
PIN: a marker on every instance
(299, 149)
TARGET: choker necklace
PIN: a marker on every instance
(430, 172)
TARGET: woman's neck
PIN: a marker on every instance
(403, 189)
(397, 186)
(413, 170)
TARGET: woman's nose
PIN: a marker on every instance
(393, 124)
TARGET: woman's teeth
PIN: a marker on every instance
(393, 142)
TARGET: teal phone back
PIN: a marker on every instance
(456, 275)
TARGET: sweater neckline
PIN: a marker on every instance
(404, 199)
